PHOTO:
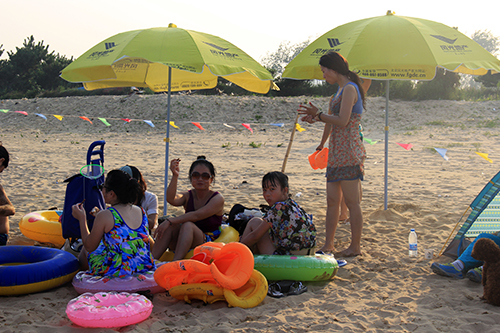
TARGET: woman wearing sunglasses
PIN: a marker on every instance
(203, 207)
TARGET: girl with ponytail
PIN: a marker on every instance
(346, 154)
(118, 244)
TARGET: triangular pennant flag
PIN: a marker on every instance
(4, 110)
(197, 125)
(247, 126)
(406, 146)
(58, 117)
(370, 141)
(85, 118)
(299, 128)
(104, 121)
(228, 125)
(149, 122)
(442, 152)
(22, 112)
(126, 119)
(278, 124)
(485, 156)
(41, 115)
(173, 124)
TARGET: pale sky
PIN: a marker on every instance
(71, 27)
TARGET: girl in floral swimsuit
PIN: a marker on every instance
(118, 244)
(286, 228)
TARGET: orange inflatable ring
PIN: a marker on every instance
(230, 267)
(228, 235)
(43, 226)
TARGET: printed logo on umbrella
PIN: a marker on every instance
(221, 51)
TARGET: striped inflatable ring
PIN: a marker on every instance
(30, 269)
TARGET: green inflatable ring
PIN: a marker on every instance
(317, 267)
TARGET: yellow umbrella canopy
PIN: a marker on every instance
(167, 59)
(394, 47)
(142, 58)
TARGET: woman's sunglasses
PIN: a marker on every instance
(100, 187)
(204, 176)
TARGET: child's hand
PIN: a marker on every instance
(78, 212)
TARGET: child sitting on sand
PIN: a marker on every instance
(118, 244)
(286, 228)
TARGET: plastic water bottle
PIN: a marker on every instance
(412, 241)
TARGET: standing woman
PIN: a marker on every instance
(346, 151)
(203, 208)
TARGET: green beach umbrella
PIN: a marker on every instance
(394, 47)
(167, 59)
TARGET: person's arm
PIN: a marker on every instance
(213, 207)
(92, 239)
(6, 207)
(349, 98)
(324, 137)
(255, 235)
(172, 197)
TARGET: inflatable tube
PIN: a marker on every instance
(251, 294)
(206, 292)
(43, 226)
(227, 235)
(233, 266)
(30, 269)
(230, 267)
(108, 309)
(83, 282)
(248, 296)
(318, 267)
(187, 271)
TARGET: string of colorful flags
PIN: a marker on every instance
(406, 146)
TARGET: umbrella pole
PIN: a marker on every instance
(386, 164)
(289, 144)
(167, 142)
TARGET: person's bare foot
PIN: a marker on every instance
(326, 249)
(348, 253)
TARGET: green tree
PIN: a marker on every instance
(277, 60)
(491, 44)
(31, 69)
(443, 86)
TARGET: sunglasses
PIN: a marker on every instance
(204, 176)
(100, 187)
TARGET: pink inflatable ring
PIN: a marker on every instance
(108, 309)
(84, 282)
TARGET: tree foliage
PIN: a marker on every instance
(491, 44)
(31, 70)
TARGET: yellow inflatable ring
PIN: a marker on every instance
(251, 294)
(43, 226)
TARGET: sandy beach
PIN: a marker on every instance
(381, 291)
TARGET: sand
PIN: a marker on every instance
(383, 290)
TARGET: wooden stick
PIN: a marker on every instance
(289, 144)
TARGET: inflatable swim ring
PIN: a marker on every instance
(229, 266)
(84, 282)
(43, 226)
(228, 235)
(30, 269)
(108, 309)
(318, 267)
(248, 296)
